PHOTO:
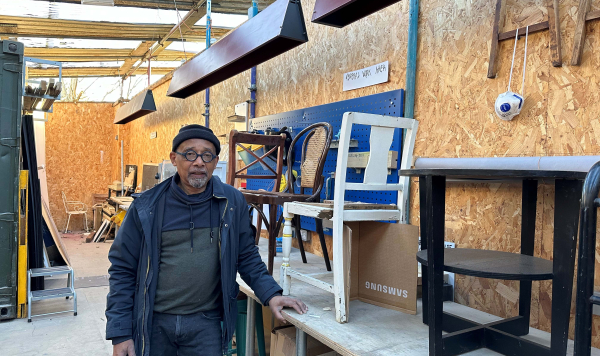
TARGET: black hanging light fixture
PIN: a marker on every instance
(275, 30)
(141, 105)
(339, 13)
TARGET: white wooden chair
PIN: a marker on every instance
(375, 179)
(74, 208)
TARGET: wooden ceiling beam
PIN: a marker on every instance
(90, 72)
(94, 54)
(41, 27)
(240, 7)
(182, 28)
(149, 4)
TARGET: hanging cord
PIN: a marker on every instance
(524, 62)
(149, 71)
(180, 33)
(513, 59)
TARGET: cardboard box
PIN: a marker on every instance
(283, 343)
(383, 265)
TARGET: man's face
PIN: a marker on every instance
(197, 173)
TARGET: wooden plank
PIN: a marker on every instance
(360, 159)
(55, 233)
(593, 15)
(555, 39)
(498, 24)
(538, 27)
(91, 72)
(185, 26)
(328, 287)
(54, 28)
(95, 54)
(579, 36)
(223, 6)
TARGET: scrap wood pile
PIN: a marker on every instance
(33, 94)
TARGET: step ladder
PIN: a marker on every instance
(67, 292)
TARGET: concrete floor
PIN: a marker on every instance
(65, 334)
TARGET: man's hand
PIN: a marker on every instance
(277, 303)
(126, 348)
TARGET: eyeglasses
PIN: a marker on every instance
(192, 155)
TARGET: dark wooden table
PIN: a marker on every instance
(503, 336)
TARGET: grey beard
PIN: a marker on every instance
(198, 182)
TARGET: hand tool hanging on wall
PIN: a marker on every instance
(509, 104)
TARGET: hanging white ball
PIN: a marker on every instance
(508, 105)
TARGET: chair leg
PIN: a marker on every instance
(341, 251)
(284, 279)
(299, 237)
(319, 224)
(85, 222)
(68, 220)
(272, 226)
(258, 226)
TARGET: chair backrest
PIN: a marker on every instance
(244, 140)
(313, 155)
(64, 198)
(376, 171)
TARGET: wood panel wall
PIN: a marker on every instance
(80, 156)
(454, 104)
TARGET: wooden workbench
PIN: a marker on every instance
(371, 330)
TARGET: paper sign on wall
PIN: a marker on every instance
(365, 77)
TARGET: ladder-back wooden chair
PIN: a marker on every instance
(375, 179)
(314, 150)
(256, 198)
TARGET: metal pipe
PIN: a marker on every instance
(300, 342)
(253, 11)
(411, 61)
(208, 43)
(122, 171)
(411, 71)
(250, 326)
(554, 163)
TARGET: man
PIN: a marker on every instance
(175, 259)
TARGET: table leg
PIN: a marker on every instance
(301, 346)
(528, 207)
(435, 212)
(250, 326)
(423, 234)
(566, 215)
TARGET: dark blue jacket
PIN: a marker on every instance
(134, 258)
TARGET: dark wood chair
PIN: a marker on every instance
(586, 298)
(257, 198)
(314, 152)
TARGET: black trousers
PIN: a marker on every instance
(187, 335)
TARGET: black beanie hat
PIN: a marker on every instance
(196, 131)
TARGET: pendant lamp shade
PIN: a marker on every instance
(276, 30)
(339, 13)
(143, 104)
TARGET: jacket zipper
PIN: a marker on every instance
(144, 308)
(221, 222)
(221, 234)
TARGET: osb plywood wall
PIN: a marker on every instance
(173, 113)
(454, 104)
(79, 156)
